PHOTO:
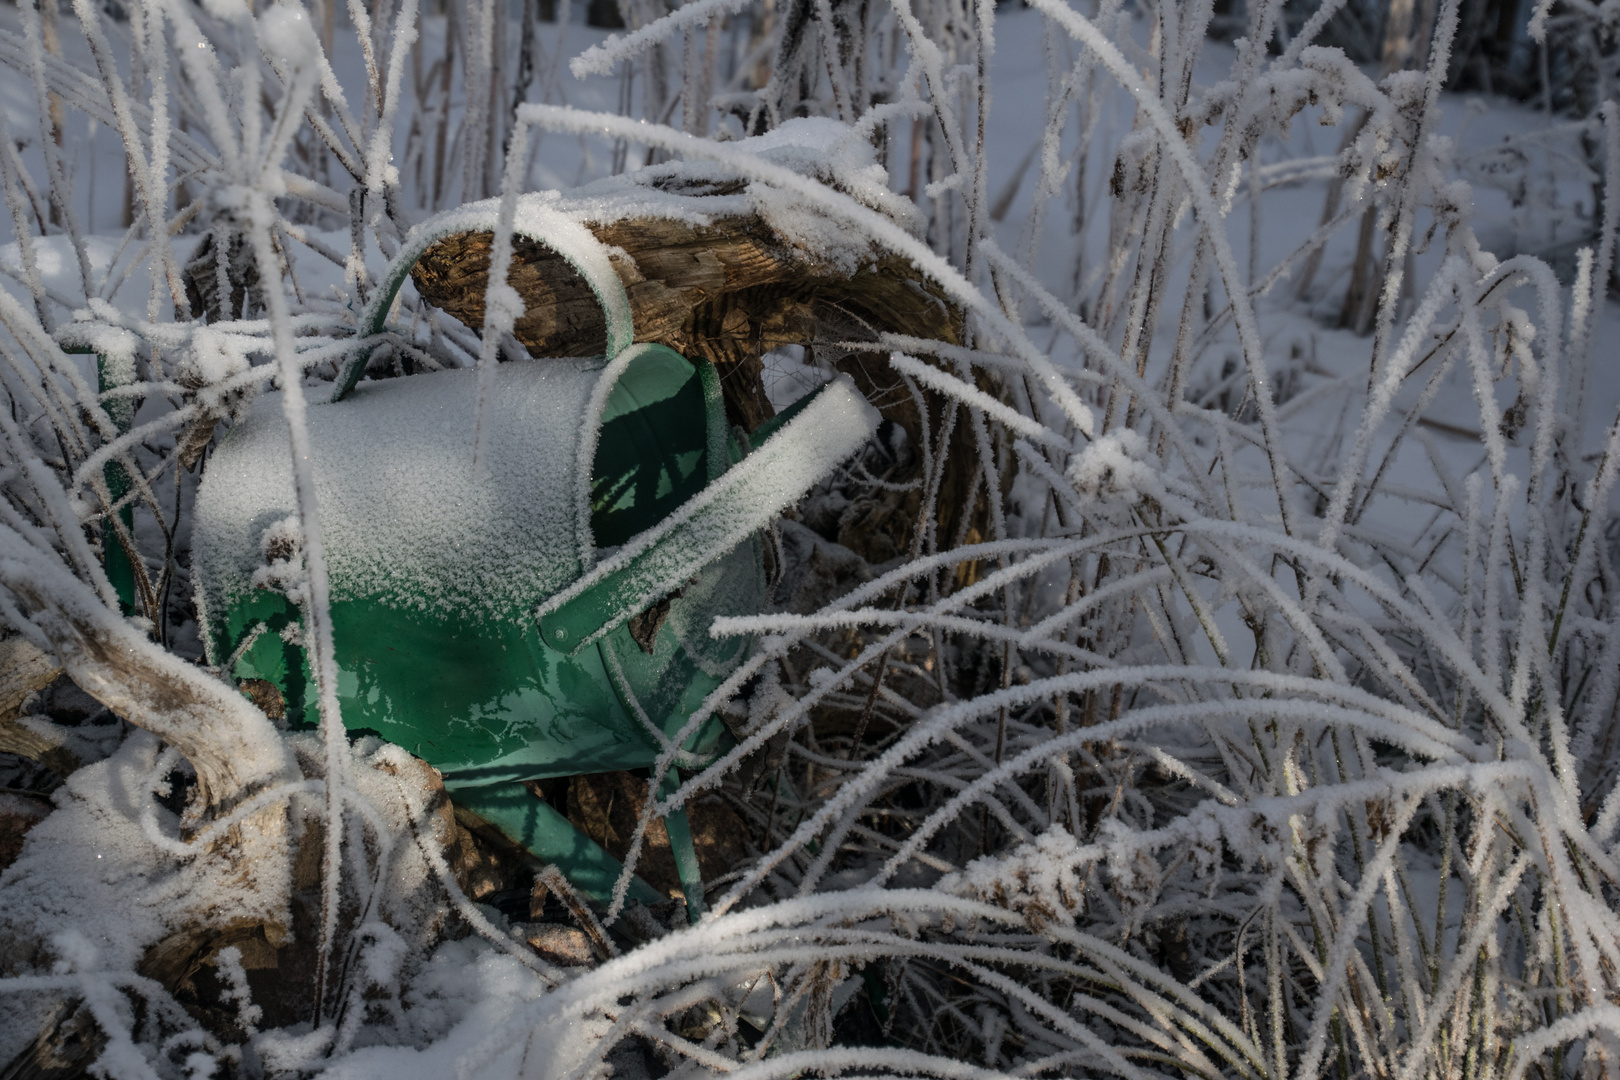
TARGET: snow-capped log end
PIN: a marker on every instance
(727, 290)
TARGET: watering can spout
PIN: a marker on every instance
(826, 428)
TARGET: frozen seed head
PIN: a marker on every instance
(286, 34)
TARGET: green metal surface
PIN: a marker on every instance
(654, 451)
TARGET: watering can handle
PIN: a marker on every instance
(831, 427)
(534, 221)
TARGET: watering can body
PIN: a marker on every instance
(544, 611)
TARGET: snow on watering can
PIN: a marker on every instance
(545, 614)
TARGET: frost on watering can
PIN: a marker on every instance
(543, 615)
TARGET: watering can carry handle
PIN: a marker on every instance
(821, 435)
(534, 221)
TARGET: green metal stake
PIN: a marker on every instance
(120, 571)
(680, 845)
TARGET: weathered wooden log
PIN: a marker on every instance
(279, 962)
(234, 749)
(730, 291)
(24, 670)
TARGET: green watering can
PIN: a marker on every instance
(547, 614)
